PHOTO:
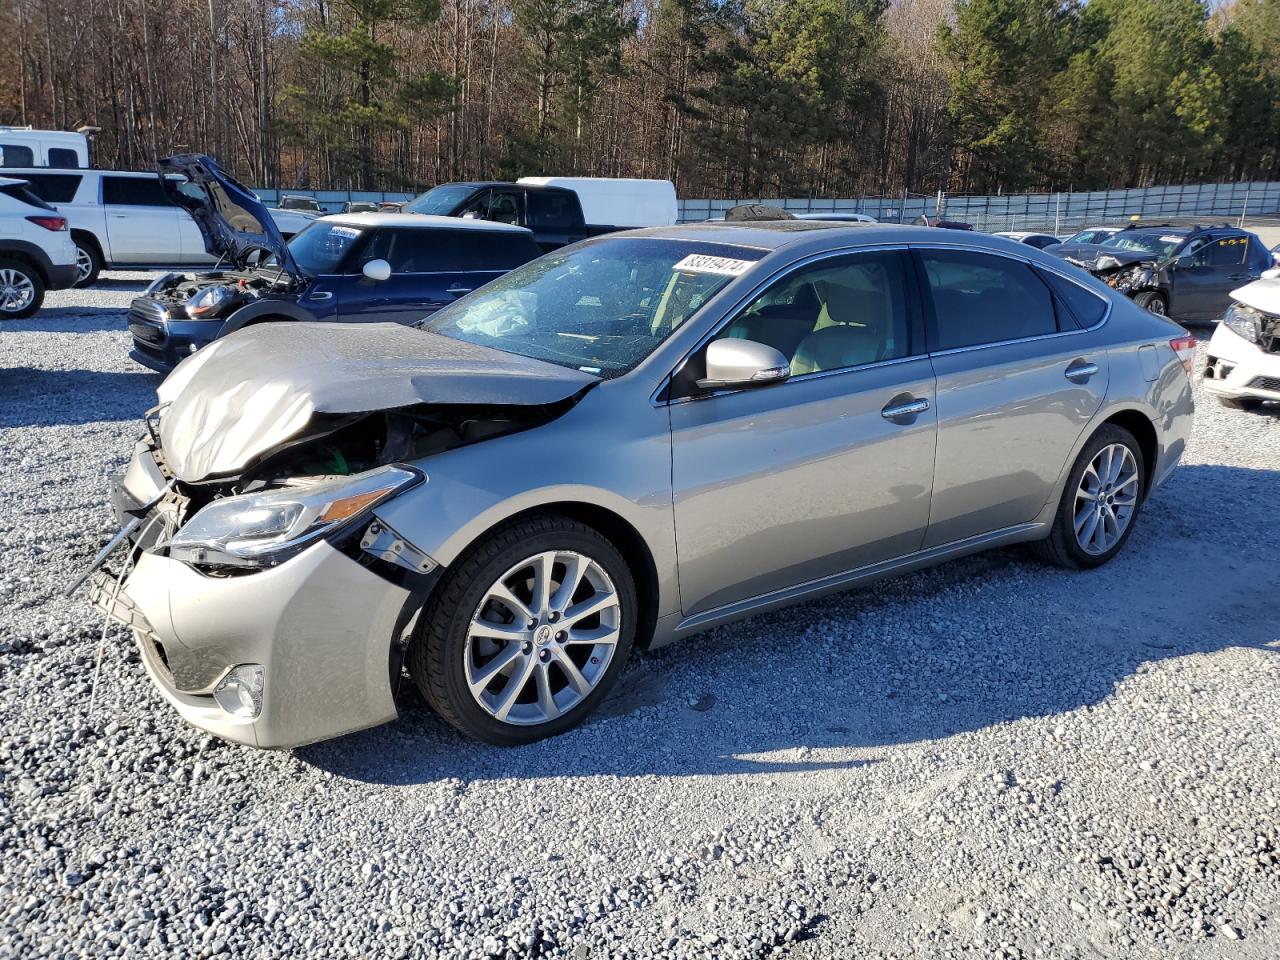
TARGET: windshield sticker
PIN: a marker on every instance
(1171, 239)
(702, 263)
(345, 232)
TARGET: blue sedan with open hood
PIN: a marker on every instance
(365, 267)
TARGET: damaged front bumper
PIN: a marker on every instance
(1237, 369)
(322, 631)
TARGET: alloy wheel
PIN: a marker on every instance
(84, 265)
(16, 290)
(1106, 499)
(542, 637)
(1156, 306)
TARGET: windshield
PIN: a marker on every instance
(601, 307)
(319, 247)
(1161, 245)
(441, 200)
(299, 203)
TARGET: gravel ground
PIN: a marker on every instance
(992, 758)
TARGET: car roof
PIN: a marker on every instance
(421, 221)
(819, 234)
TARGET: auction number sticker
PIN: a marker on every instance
(352, 232)
(703, 263)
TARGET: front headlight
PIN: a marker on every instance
(1105, 262)
(206, 301)
(1245, 321)
(263, 529)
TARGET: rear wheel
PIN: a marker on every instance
(1153, 302)
(527, 632)
(88, 262)
(21, 289)
(1100, 503)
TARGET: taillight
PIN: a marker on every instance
(1185, 348)
(50, 223)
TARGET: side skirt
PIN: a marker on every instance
(836, 582)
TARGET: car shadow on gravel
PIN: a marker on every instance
(34, 397)
(986, 640)
(71, 320)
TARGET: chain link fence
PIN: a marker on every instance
(1057, 213)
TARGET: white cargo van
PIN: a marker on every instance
(28, 147)
(618, 202)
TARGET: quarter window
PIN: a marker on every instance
(1085, 307)
(979, 298)
(53, 187)
(833, 314)
(16, 155)
(133, 191)
(63, 158)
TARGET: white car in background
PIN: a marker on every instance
(122, 219)
(1031, 239)
(1242, 361)
(36, 250)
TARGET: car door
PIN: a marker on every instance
(826, 472)
(1017, 382)
(420, 282)
(1201, 281)
(142, 225)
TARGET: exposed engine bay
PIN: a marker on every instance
(209, 295)
(1124, 276)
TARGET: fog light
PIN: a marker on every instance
(239, 693)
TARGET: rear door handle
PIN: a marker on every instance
(905, 411)
(1081, 371)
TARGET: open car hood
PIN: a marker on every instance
(244, 395)
(234, 222)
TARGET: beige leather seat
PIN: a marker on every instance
(854, 329)
(782, 325)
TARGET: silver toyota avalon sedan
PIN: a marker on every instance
(618, 445)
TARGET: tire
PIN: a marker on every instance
(21, 289)
(446, 654)
(1240, 403)
(1063, 546)
(1153, 302)
(88, 263)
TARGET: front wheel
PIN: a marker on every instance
(1100, 503)
(527, 632)
(21, 290)
(1153, 302)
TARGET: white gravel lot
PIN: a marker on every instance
(992, 758)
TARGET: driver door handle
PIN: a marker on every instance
(1080, 371)
(908, 409)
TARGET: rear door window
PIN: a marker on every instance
(54, 187)
(980, 298)
(551, 211)
(133, 191)
(1227, 251)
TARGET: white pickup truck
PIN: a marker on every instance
(123, 219)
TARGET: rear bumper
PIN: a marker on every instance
(62, 277)
(1237, 369)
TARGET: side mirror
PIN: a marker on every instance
(377, 270)
(743, 363)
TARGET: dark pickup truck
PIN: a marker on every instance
(554, 214)
(559, 210)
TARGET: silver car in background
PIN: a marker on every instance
(618, 445)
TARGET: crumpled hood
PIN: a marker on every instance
(1088, 255)
(246, 394)
(1262, 295)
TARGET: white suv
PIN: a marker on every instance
(1242, 361)
(123, 219)
(36, 250)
